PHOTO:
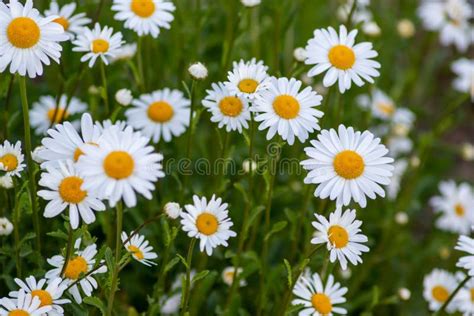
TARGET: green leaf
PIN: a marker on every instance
(96, 302)
(59, 234)
(172, 263)
(241, 189)
(201, 275)
(27, 237)
(183, 260)
(109, 259)
(276, 228)
(289, 273)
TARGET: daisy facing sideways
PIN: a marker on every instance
(347, 165)
(227, 109)
(11, 159)
(466, 244)
(139, 248)
(28, 40)
(465, 299)
(284, 109)
(24, 304)
(162, 114)
(71, 23)
(344, 61)
(319, 299)
(144, 16)
(437, 287)
(208, 221)
(247, 79)
(80, 263)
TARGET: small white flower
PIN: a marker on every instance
(465, 298)
(35, 154)
(406, 28)
(247, 78)
(6, 227)
(401, 218)
(299, 54)
(371, 28)
(11, 159)
(466, 244)
(229, 274)
(198, 71)
(438, 286)
(404, 293)
(125, 52)
(139, 248)
(250, 3)
(249, 165)
(71, 23)
(124, 97)
(464, 82)
(6, 182)
(173, 210)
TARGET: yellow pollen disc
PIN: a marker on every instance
(338, 236)
(341, 57)
(386, 108)
(70, 190)
(23, 32)
(207, 224)
(75, 267)
(44, 297)
(231, 106)
(78, 152)
(248, 85)
(100, 46)
(9, 161)
(143, 8)
(63, 22)
(59, 115)
(136, 252)
(321, 303)
(160, 112)
(18, 312)
(119, 165)
(286, 106)
(472, 294)
(459, 209)
(440, 293)
(348, 164)
(230, 274)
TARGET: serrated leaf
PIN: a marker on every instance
(172, 263)
(276, 228)
(94, 301)
(109, 259)
(58, 234)
(199, 276)
(289, 273)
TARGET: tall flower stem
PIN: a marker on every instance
(29, 161)
(141, 73)
(187, 285)
(189, 136)
(68, 250)
(105, 92)
(118, 246)
(440, 311)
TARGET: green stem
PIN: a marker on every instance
(189, 135)
(451, 297)
(118, 247)
(68, 250)
(141, 72)
(187, 290)
(7, 103)
(105, 92)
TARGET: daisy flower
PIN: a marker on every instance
(71, 23)
(399, 145)
(6, 227)
(121, 164)
(98, 42)
(464, 70)
(64, 142)
(24, 304)
(465, 299)
(209, 222)
(229, 274)
(139, 248)
(144, 16)
(81, 263)
(227, 109)
(46, 112)
(28, 40)
(456, 205)
(125, 52)
(317, 298)
(437, 287)
(11, 159)
(342, 236)
(380, 104)
(247, 79)
(64, 190)
(343, 61)
(282, 108)
(160, 114)
(347, 165)
(466, 244)
(49, 293)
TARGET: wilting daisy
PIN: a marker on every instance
(229, 274)
(139, 248)
(64, 142)
(72, 23)
(24, 305)
(466, 244)
(342, 236)
(464, 69)
(160, 114)
(437, 287)
(80, 263)
(209, 222)
(347, 165)
(227, 109)
(247, 79)
(28, 40)
(465, 299)
(121, 164)
(144, 16)
(98, 42)
(46, 112)
(343, 61)
(49, 293)
(64, 190)
(282, 108)
(456, 205)
(11, 159)
(319, 299)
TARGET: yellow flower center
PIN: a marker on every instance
(472, 294)
(160, 112)
(18, 312)
(63, 22)
(459, 210)
(136, 252)
(248, 85)
(119, 165)
(75, 267)
(321, 303)
(143, 8)
(78, 152)
(23, 32)
(231, 106)
(44, 297)
(338, 236)
(70, 190)
(286, 106)
(348, 164)
(440, 293)
(60, 113)
(207, 224)
(341, 57)
(9, 161)
(386, 108)
(100, 46)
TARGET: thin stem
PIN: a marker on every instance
(141, 72)
(189, 135)
(68, 251)
(187, 290)
(7, 103)
(105, 93)
(451, 297)
(118, 247)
